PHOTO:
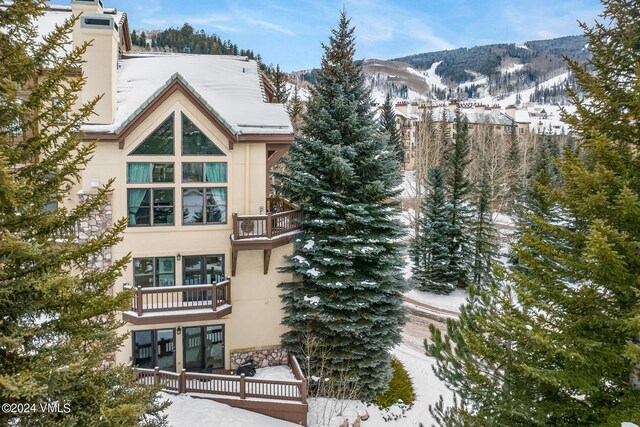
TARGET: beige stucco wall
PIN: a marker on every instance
(256, 307)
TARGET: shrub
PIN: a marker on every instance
(400, 388)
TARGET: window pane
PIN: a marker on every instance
(163, 172)
(216, 172)
(195, 142)
(159, 142)
(193, 348)
(192, 266)
(143, 349)
(165, 271)
(216, 205)
(143, 272)
(166, 350)
(214, 345)
(214, 269)
(163, 206)
(192, 204)
(139, 199)
(192, 172)
(138, 173)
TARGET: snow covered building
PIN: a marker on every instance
(409, 115)
(190, 141)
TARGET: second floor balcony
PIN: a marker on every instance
(167, 304)
(265, 231)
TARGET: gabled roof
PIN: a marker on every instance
(229, 86)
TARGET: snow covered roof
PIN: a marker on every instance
(57, 14)
(229, 86)
(494, 119)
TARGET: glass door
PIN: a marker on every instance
(202, 270)
(204, 348)
(155, 348)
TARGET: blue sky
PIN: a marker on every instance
(289, 33)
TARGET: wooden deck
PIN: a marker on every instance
(283, 399)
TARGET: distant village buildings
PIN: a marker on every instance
(530, 119)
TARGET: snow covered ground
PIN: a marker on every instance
(452, 302)
(187, 411)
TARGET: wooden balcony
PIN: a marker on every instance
(264, 232)
(170, 304)
(283, 399)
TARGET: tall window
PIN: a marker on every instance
(203, 348)
(153, 272)
(155, 348)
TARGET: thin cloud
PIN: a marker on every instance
(270, 26)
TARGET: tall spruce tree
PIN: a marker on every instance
(513, 174)
(558, 344)
(430, 247)
(388, 124)
(484, 239)
(459, 194)
(347, 288)
(59, 319)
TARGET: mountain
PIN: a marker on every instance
(532, 71)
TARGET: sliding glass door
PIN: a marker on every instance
(155, 348)
(203, 348)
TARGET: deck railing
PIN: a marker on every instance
(173, 298)
(266, 226)
(229, 385)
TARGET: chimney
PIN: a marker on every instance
(511, 111)
(453, 106)
(479, 109)
(495, 110)
(101, 58)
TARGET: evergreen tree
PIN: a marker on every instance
(430, 249)
(483, 232)
(558, 344)
(134, 38)
(347, 260)
(59, 319)
(513, 163)
(295, 108)
(459, 193)
(279, 79)
(388, 124)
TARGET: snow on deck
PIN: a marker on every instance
(187, 411)
(278, 373)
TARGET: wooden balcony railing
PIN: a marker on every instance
(229, 385)
(181, 299)
(266, 226)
